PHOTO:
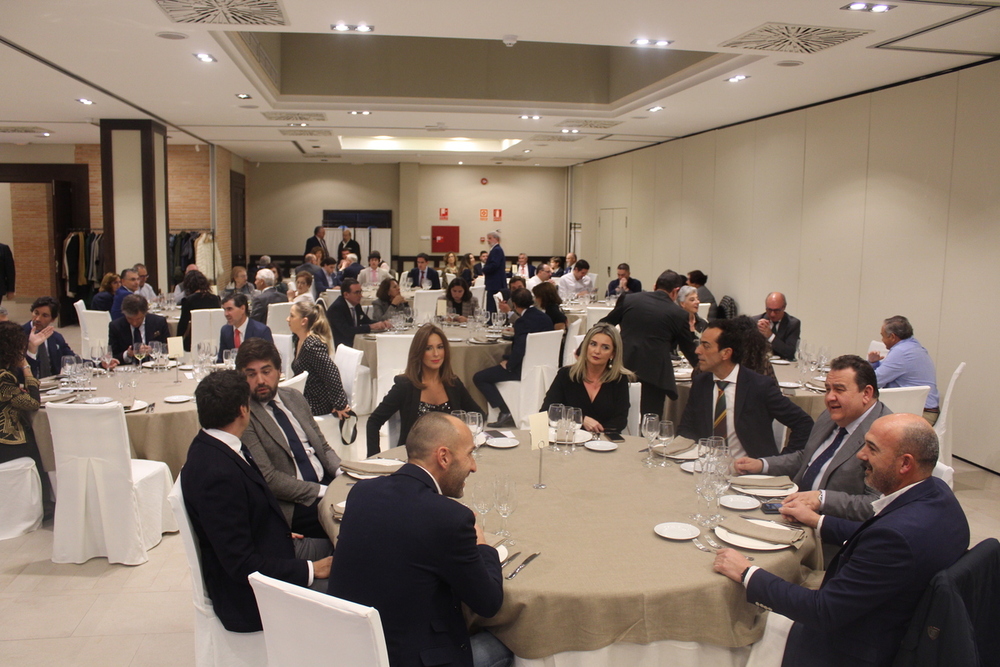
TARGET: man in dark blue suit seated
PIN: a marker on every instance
(624, 283)
(46, 346)
(423, 274)
(353, 268)
(530, 320)
(238, 324)
(135, 330)
(861, 611)
(732, 401)
(130, 285)
(414, 554)
(236, 520)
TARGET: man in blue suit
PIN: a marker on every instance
(861, 611)
(130, 285)
(239, 327)
(423, 273)
(494, 270)
(46, 346)
(414, 554)
(530, 320)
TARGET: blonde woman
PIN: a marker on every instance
(597, 383)
(314, 342)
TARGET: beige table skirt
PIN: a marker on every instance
(603, 575)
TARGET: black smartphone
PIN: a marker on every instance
(495, 434)
(770, 508)
(614, 437)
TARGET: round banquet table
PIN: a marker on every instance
(603, 576)
(162, 435)
(467, 358)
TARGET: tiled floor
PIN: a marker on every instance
(109, 615)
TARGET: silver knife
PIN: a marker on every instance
(508, 559)
(526, 561)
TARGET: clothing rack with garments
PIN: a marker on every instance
(81, 262)
(193, 246)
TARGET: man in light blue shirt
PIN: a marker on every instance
(907, 363)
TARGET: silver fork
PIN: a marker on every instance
(714, 544)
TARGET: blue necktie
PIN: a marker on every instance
(298, 451)
(813, 471)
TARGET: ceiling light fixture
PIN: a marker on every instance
(345, 27)
(735, 79)
(643, 41)
(298, 125)
(360, 113)
(244, 96)
(205, 57)
(46, 134)
(527, 150)
(527, 117)
(461, 163)
(171, 35)
(84, 100)
(364, 28)
(654, 109)
(873, 7)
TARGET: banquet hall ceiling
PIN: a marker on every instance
(437, 80)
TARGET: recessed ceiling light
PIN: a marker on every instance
(527, 117)
(527, 150)
(881, 8)
(654, 109)
(244, 96)
(298, 125)
(84, 100)
(345, 27)
(46, 134)
(341, 27)
(205, 57)
(171, 35)
(735, 79)
(643, 41)
(874, 7)
(360, 113)
(788, 63)
(461, 163)
(858, 6)
(663, 42)
(364, 28)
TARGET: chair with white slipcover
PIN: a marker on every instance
(297, 382)
(538, 368)
(941, 427)
(425, 304)
(910, 400)
(356, 378)
(573, 340)
(206, 324)
(277, 317)
(20, 497)
(286, 348)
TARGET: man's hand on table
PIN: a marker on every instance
(748, 466)
(731, 563)
(801, 512)
(321, 567)
(381, 326)
(808, 499)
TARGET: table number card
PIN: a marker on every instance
(539, 425)
(175, 347)
(442, 308)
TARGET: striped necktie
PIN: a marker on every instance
(812, 472)
(719, 424)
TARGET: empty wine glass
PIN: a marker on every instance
(474, 420)
(574, 418)
(557, 412)
(505, 502)
(482, 500)
(650, 431)
(666, 436)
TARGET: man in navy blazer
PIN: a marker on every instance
(346, 318)
(135, 326)
(778, 327)
(494, 270)
(752, 401)
(871, 588)
(237, 309)
(414, 554)
(236, 520)
(46, 346)
(422, 272)
(530, 320)
(130, 285)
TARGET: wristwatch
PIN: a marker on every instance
(743, 577)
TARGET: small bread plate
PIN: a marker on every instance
(98, 400)
(378, 462)
(179, 398)
(780, 362)
(790, 385)
(762, 493)
(454, 339)
(600, 445)
(673, 530)
(341, 506)
(474, 341)
(691, 466)
(739, 502)
(480, 439)
(187, 367)
(137, 406)
(745, 542)
(821, 379)
(581, 436)
(502, 553)
(502, 443)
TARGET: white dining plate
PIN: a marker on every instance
(762, 493)
(739, 502)
(781, 362)
(674, 530)
(137, 406)
(359, 475)
(502, 552)
(502, 443)
(341, 506)
(748, 542)
(187, 367)
(60, 391)
(473, 341)
(600, 445)
(691, 466)
(454, 339)
(150, 364)
(789, 385)
(581, 436)
(377, 462)
(98, 400)
(820, 378)
(180, 398)
(682, 373)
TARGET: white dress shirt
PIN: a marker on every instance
(735, 446)
(569, 286)
(303, 438)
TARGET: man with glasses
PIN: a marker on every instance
(346, 317)
(145, 289)
(780, 329)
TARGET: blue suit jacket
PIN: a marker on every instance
(871, 588)
(759, 401)
(414, 276)
(240, 530)
(254, 330)
(116, 305)
(495, 270)
(411, 553)
(57, 349)
(531, 321)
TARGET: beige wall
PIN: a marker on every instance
(6, 217)
(873, 206)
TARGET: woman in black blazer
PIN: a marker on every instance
(199, 297)
(597, 383)
(428, 385)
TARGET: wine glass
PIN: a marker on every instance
(650, 431)
(97, 351)
(505, 502)
(474, 420)
(106, 357)
(156, 354)
(666, 436)
(482, 500)
(574, 417)
(557, 412)
(139, 352)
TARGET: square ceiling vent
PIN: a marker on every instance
(295, 116)
(792, 38)
(224, 12)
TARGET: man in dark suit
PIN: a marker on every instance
(7, 272)
(861, 611)
(348, 244)
(236, 520)
(317, 240)
(46, 346)
(730, 400)
(778, 327)
(130, 285)
(438, 560)
(477, 270)
(652, 325)
(268, 295)
(494, 270)
(530, 320)
(831, 478)
(624, 283)
(522, 268)
(422, 273)
(285, 441)
(346, 317)
(135, 330)
(239, 327)
(353, 268)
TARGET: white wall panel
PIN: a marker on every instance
(641, 218)
(665, 235)
(694, 238)
(733, 231)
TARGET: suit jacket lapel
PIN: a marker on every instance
(849, 448)
(259, 412)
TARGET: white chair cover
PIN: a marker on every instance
(297, 382)
(357, 379)
(206, 324)
(277, 318)
(303, 627)
(538, 369)
(479, 280)
(634, 411)
(20, 498)
(109, 504)
(393, 350)
(595, 313)
(573, 340)
(703, 309)
(214, 646)
(905, 399)
(97, 322)
(425, 304)
(286, 348)
(944, 419)
(479, 291)
(81, 308)
(945, 472)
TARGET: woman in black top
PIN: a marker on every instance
(198, 298)
(428, 385)
(548, 300)
(597, 383)
(313, 339)
(103, 299)
(461, 304)
(687, 298)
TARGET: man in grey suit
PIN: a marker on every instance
(268, 295)
(831, 478)
(287, 445)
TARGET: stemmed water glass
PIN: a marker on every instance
(505, 502)
(156, 354)
(474, 420)
(666, 436)
(482, 500)
(557, 412)
(574, 419)
(650, 431)
(97, 351)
